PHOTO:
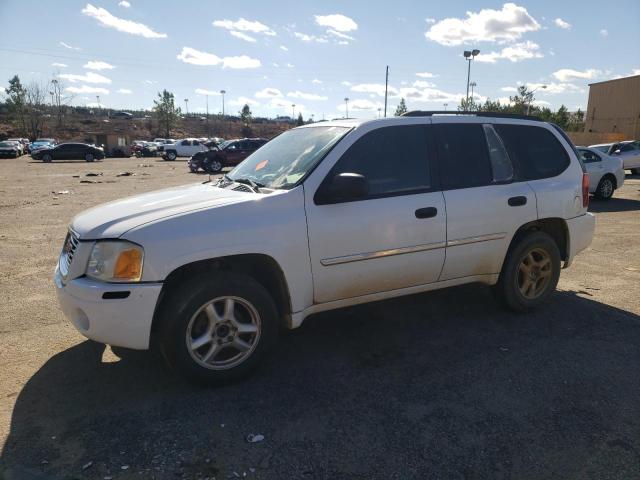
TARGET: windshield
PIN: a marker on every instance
(602, 148)
(286, 159)
(6, 144)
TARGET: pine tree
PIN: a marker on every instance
(401, 108)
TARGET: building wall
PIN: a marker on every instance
(614, 107)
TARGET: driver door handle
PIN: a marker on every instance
(517, 201)
(428, 212)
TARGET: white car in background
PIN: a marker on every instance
(183, 148)
(606, 172)
(628, 150)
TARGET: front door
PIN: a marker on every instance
(392, 238)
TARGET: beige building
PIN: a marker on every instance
(614, 108)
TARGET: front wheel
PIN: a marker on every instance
(171, 156)
(46, 158)
(530, 272)
(214, 166)
(89, 157)
(216, 328)
(605, 188)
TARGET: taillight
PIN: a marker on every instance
(585, 190)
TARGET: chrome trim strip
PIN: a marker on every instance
(381, 253)
(478, 239)
(418, 248)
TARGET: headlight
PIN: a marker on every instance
(116, 261)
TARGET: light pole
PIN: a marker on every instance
(51, 93)
(445, 105)
(531, 96)
(379, 110)
(207, 100)
(222, 92)
(293, 112)
(346, 107)
(469, 55)
(186, 106)
(472, 85)
(98, 100)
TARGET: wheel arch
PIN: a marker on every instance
(556, 228)
(262, 268)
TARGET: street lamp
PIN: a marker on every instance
(445, 105)
(531, 96)
(186, 106)
(346, 106)
(222, 92)
(472, 85)
(469, 55)
(98, 100)
(379, 110)
(293, 111)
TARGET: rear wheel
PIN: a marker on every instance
(213, 166)
(530, 272)
(89, 157)
(46, 158)
(605, 188)
(216, 328)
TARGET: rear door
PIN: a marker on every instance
(62, 152)
(486, 203)
(393, 238)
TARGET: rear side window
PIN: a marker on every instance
(463, 155)
(536, 150)
(394, 160)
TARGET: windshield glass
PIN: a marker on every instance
(602, 148)
(283, 161)
(6, 144)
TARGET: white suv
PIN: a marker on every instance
(183, 148)
(322, 217)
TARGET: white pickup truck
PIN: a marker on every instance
(183, 148)
(326, 216)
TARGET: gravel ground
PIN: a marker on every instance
(438, 385)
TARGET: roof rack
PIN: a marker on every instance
(430, 113)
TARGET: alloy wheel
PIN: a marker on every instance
(534, 273)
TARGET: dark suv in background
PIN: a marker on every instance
(69, 151)
(227, 154)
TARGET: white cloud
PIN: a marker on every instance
(124, 4)
(98, 65)
(635, 71)
(604, 32)
(514, 53)
(306, 96)
(124, 91)
(150, 82)
(562, 24)
(242, 36)
(425, 75)
(67, 46)
(59, 65)
(430, 20)
(242, 101)
(282, 103)
(88, 77)
(346, 83)
(316, 81)
(203, 91)
(196, 57)
(282, 47)
(487, 25)
(289, 65)
(120, 24)
(335, 33)
(555, 88)
(88, 89)
(375, 88)
(567, 74)
(509, 89)
(337, 22)
(417, 94)
(269, 93)
(310, 38)
(541, 103)
(360, 104)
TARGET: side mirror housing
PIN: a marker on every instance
(344, 187)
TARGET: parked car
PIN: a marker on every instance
(39, 145)
(182, 148)
(9, 150)
(147, 149)
(606, 172)
(69, 151)
(628, 150)
(126, 115)
(227, 154)
(322, 217)
(18, 143)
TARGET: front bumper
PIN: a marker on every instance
(581, 230)
(122, 322)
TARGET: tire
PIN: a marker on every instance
(193, 169)
(534, 249)
(214, 166)
(171, 156)
(46, 158)
(184, 320)
(606, 187)
(89, 157)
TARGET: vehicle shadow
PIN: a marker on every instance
(613, 205)
(439, 385)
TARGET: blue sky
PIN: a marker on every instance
(314, 54)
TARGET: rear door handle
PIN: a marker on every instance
(428, 212)
(517, 201)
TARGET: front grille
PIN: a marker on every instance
(68, 250)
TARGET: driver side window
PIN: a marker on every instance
(589, 157)
(185, 143)
(393, 160)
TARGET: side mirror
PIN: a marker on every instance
(344, 187)
(616, 152)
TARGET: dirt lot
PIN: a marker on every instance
(438, 385)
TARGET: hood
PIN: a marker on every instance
(111, 220)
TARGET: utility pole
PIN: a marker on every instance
(346, 105)
(186, 105)
(472, 84)
(222, 92)
(207, 100)
(293, 112)
(386, 89)
(379, 109)
(98, 100)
